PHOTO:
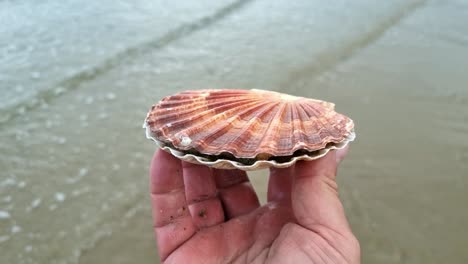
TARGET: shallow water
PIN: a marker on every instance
(74, 160)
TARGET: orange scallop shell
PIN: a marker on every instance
(221, 128)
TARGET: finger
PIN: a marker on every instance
(165, 172)
(236, 192)
(341, 154)
(279, 184)
(315, 198)
(201, 195)
(172, 222)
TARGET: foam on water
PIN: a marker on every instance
(45, 79)
(4, 215)
(60, 197)
(4, 238)
(34, 204)
(15, 229)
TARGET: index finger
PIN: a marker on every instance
(166, 173)
(171, 218)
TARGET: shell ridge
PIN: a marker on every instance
(182, 123)
(215, 95)
(264, 147)
(209, 106)
(253, 121)
(308, 126)
(285, 138)
(296, 132)
(317, 113)
(229, 122)
(227, 91)
(208, 123)
(335, 128)
(200, 95)
(322, 128)
(172, 101)
(180, 100)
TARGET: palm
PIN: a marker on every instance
(213, 216)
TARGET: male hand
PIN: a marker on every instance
(204, 215)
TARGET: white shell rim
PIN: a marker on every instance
(230, 164)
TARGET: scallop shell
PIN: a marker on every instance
(246, 129)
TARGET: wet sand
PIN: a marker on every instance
(74, 166)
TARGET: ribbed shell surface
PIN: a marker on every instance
(246, 123)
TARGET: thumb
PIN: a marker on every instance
(315, 200)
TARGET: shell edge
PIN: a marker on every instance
(229, 164)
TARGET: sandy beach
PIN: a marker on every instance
(76, 81)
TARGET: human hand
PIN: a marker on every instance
(204, 215)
